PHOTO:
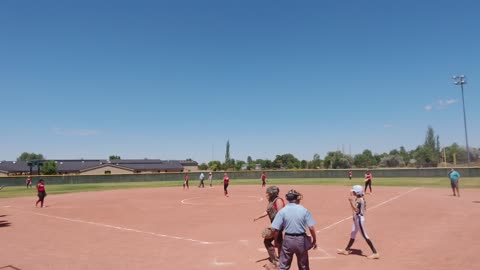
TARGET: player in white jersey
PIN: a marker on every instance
(358, 205)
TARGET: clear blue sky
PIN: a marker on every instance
(177, 79)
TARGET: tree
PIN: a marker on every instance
(203, 167)
(114, 157)
(432, 147)
(249, 160)
(215, 165)
(286, 161)
(392, 161)
(303, 164)
(337, 160)
(49, 167)
(365, 159)
(227, 152)
(316, 162)
(239, 164)
(29, 156)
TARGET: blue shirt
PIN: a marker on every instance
(293, 219)
(454, 176)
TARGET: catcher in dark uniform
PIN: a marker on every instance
(275, 203)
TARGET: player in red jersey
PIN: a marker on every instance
(264, 178)
(368, 181)
(41, 193)
(185, 182)
(350, 174)
(226, 181)
(29, 182)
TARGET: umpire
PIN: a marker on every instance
(294, 219)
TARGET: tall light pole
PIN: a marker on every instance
(461, 80)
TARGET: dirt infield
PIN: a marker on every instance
(168, 228)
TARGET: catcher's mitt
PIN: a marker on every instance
(268, 233)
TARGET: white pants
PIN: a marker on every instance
(358, 225)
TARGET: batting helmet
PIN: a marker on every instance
(292, 195)
(272, 192)
(358, 190)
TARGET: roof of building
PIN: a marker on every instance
(77, 165)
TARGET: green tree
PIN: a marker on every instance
(303, 164)
(337, 160)
(203, 167)
(249, 160)
(49, 167)
(227, 152)
(286, 161)
(114, 157)
(365, 159)
(215, 165)
(392, 161)
(29, 156)
(239, 164)
(316, 162)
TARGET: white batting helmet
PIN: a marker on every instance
(357, 189)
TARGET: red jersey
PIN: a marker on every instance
(368, 176)
(29, 180)
(350, 173)
(186, 178)
(264, 176)
(226, 180)
(40, 187)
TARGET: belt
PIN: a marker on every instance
(295, 234)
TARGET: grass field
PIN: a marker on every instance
(21, 191)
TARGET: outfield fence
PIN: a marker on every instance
(275, 174)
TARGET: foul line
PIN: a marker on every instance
(373, 207)
(120, 228)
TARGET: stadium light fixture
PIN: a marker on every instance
(461, 80)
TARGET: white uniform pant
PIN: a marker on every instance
(358, 225)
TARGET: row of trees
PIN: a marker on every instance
(429, 154)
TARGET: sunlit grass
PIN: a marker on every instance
(21, 191)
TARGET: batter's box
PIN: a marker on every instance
(10, 267)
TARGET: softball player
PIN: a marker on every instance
(275, 203)
(358, 205)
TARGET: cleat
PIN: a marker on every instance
(374, 256)
(343, 251)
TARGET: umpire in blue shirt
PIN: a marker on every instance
(294, 219)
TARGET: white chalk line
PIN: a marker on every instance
(186, 201)
(120, 228)
(217, 263)
(370, 208)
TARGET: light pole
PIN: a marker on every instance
(461, 80)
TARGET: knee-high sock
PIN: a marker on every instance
(370, 244)
(350, 243)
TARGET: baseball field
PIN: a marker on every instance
(414, 224)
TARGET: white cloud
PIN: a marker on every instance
(443, 104)
(440, 104)
(74, 132)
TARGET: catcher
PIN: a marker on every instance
(275, 203)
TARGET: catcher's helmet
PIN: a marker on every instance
(358, 190)
(273, 191)
(292, 195)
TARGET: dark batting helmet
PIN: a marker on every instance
(292, 195)
(272, 192)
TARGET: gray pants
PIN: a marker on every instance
(298, 245)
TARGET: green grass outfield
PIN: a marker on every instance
(22, 191)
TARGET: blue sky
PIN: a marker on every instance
(177, 79)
